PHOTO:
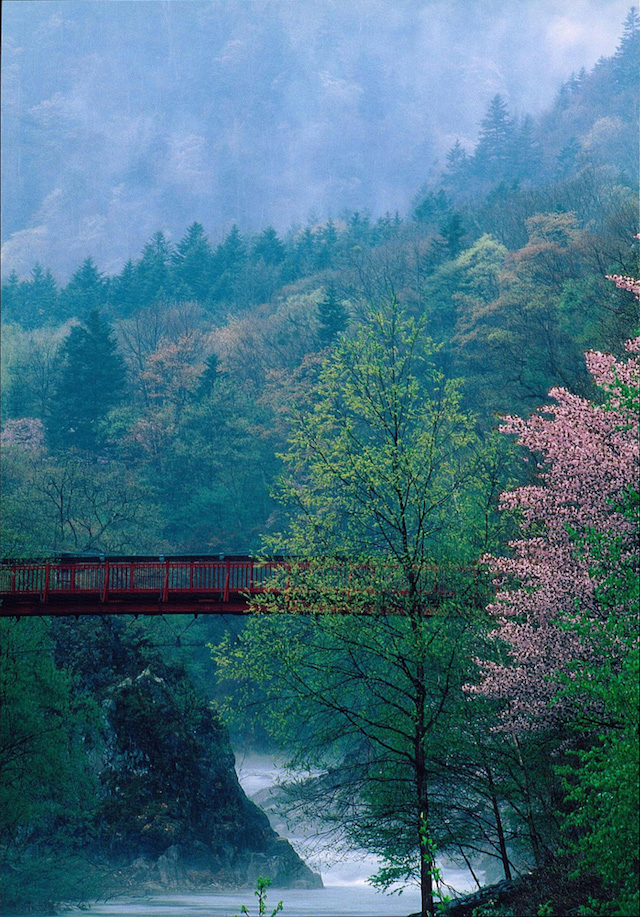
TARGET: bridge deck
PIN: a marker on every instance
(154, 586)
(133, 586)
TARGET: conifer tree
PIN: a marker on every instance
(626, 60)
(457, 167)
(92, 381)
(11, 297)
(327, 247)
(269, 247)
(40, 299)
(491, 158)
(87, 290)
(332, 317)
(124, 291)
(230, 258)
(192, 263)
(153, 270)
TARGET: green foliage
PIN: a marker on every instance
(382, 468)
(493, 909)
(261, 894)
(192, 265)
(365, 685)
(56, 503)
(92, 381)
(383, 442)
(152, 271)
(332, 317)
(48, 792)
(85, 293)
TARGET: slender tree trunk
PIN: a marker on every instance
(426, 862)
(533, 831)
(499, 828)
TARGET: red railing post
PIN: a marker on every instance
(191, 576)
(47, 575)
(225, 594)
(165, 585)
(72, 579)
(105, 584)
(13, 579)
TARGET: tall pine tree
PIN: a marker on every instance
(493, 152)
(332, 317)
(87, 290)
(192, 263)
(92, 381)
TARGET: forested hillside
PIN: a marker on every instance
(182, 406)
(174, 371)
(119, 123)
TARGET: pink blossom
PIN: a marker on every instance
(588, 457)
(625, 283)
(26, 432)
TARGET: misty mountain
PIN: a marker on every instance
(120, 118)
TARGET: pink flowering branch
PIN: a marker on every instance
(588, 461)
(625, 283)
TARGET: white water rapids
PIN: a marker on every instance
(346, 892)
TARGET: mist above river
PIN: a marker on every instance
(335, 901)
(259, 776)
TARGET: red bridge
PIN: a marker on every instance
(136, 585)
(145, 585)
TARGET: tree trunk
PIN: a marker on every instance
(426, 854)
(496, 812)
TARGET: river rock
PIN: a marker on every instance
(171, 814)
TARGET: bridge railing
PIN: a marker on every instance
(113, 577)
(226, 583)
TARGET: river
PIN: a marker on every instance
(346, 892)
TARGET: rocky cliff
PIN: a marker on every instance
(171, 813)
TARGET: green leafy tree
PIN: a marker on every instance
(263, 883)
(376, 461)
(61, 502)
(31, 362)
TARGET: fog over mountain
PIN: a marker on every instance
(122, 117)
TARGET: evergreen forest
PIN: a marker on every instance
(450, 389)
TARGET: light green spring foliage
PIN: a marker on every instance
(355, 679)
(377, 456)
(261, 894)
(341, 692)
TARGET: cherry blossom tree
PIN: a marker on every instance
(567, 646)
(588, 463)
